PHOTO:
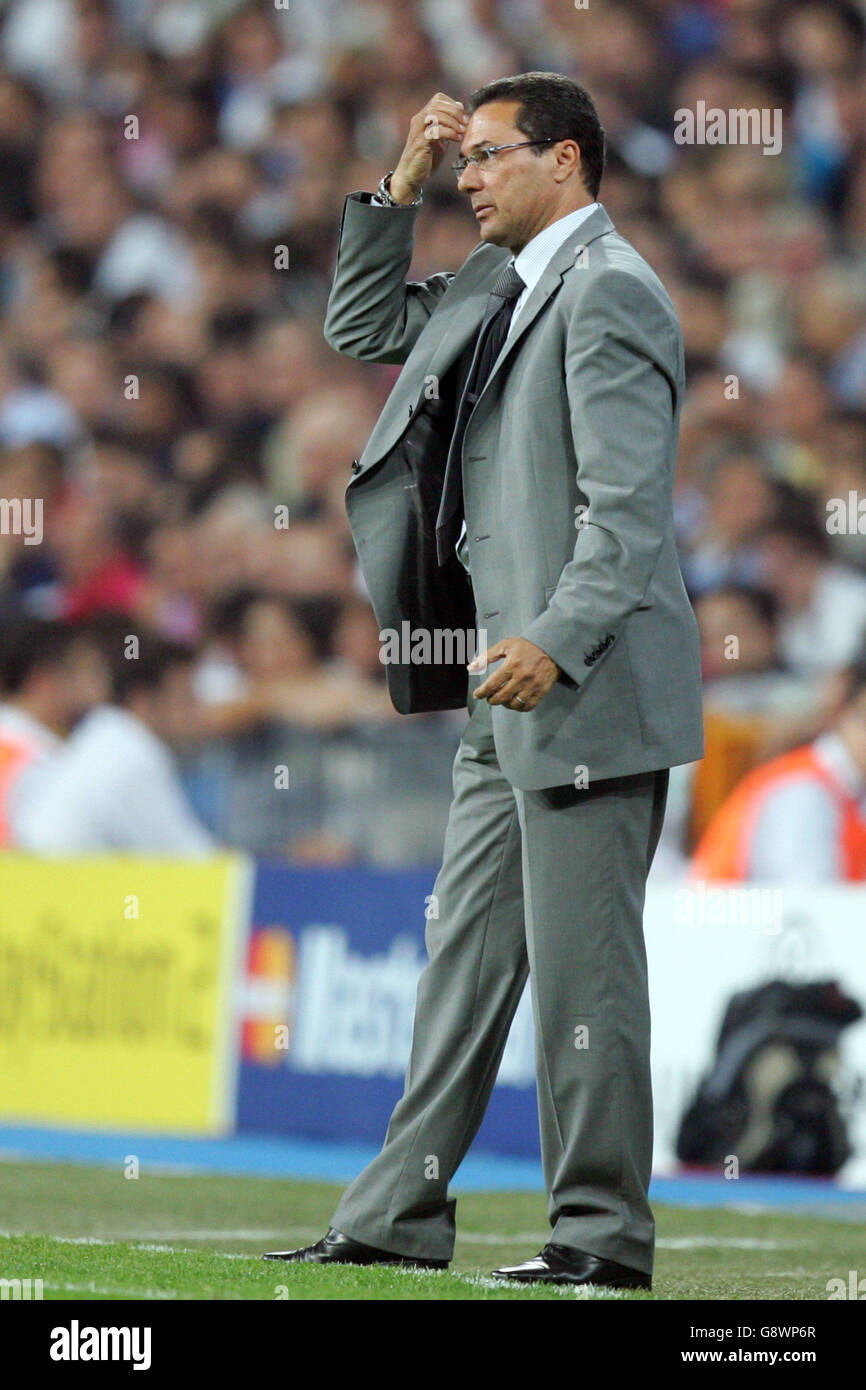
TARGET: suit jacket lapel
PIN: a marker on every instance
(452, 328)
(458, 322)
(465, 320)
(563, 260)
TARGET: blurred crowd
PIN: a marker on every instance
(172, 174)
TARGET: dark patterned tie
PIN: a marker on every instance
(489, 344)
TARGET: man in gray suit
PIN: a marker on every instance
(519, 482)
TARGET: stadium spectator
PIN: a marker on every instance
(51, 676)
(739, 499)
(267, 665)
(113, 785)
(802, 816)
(822, 604)
(96, 573)
(754, 708)
(742, 668)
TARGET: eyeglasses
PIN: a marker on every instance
(481, 158)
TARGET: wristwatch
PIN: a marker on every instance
(383, 197)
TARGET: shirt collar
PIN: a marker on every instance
(533, 260)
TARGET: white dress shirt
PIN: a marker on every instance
(829, 631)
(537, 254)
(530, 265)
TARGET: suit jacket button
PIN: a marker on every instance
(356, 465)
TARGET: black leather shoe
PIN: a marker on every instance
(558, 1265)
(337, 1249)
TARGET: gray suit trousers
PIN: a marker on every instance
(549, 883)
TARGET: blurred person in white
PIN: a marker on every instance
(114, 784)
(51, 675)
(822, 604)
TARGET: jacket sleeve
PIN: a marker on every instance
(622, 372)
(373, 314)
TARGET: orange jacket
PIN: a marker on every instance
(724, 849)
(16, 753)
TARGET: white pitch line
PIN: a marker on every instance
(185, 1250)
(720, 1243)
(61, 1240)
(117, 1294)
(271, 1232)
(534, 1238)
(135, 1243)
(528, 1238)
(583, 1291)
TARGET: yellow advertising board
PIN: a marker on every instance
(116, 980)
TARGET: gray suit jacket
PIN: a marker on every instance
(568, 465)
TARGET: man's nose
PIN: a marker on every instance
(470, 179)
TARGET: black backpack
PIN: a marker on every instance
(769, 1098)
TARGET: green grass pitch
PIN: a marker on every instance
(91, 1234)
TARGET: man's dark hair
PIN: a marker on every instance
(158, 656)
(29, 645)
(228, 613)
(147, 670)
(316, 617)
(553, 107)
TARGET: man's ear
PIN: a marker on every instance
(568, 159)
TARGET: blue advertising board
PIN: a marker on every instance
(327, 1005)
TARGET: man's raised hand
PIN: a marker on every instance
(442, 120)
